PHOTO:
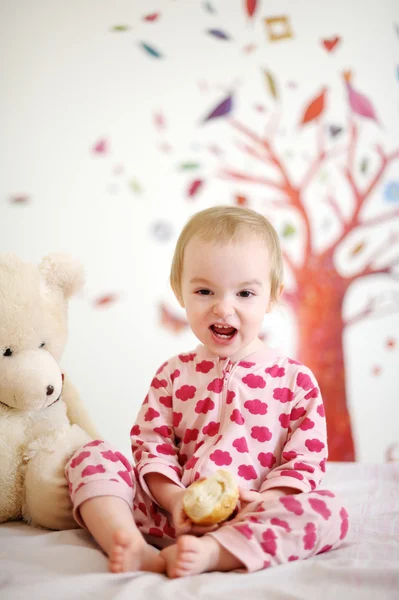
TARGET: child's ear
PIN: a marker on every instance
(278, 296)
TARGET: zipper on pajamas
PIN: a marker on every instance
(226, 373)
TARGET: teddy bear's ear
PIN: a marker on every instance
(63, 272)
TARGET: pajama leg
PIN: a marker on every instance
(96, 469)
(285, 529)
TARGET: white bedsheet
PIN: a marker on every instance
(42, 565)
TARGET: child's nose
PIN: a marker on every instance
(223, 308)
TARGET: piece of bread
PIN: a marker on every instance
(211, 500)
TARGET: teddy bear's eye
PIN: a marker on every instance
(42, 345)
(7, 352)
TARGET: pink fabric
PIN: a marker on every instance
(267, 534)
(261, 418)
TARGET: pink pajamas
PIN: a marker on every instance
(261, 418)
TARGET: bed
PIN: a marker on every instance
(43, 565)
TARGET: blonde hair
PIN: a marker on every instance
(224, 224)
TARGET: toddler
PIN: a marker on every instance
(231, 403)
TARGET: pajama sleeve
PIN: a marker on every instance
(152, 437)
(304, 455)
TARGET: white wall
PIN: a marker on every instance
(68, 81)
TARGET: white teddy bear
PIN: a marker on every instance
(42, 420)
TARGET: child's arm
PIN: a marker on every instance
(165, 491)
(152, 437)
(170, 497)
(305, 451)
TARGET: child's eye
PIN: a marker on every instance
(203, 292)
(7, 352)
(245, 294)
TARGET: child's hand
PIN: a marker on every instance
(182, 523)
(199, 530)
(246, 498)
(180, 520)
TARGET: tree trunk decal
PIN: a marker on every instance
(319, 308)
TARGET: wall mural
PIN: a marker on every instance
(318, 294)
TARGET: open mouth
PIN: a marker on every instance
(223, 332)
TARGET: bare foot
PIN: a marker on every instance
(191, 556)
(132, 554)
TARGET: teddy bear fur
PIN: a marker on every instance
(42, 419)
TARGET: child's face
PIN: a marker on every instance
(226, 293)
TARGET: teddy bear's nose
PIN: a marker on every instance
(50, 390)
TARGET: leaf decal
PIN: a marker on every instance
(101, 146)
(19, 199)
(288, 230)
(151, 17)
(120, 28)
(159, 121)
(360, 104)
(135, 186)
(335, 130)
(151, 50)
(105, 300)
(221, 110)
(209, 8)
(364, 165)
(347, 75)
(315, 108)
(251, 6)
(189, 166)
(218, 33)
(241, 200)
(271, 84)
(194, 187)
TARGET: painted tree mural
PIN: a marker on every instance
(320, 289)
